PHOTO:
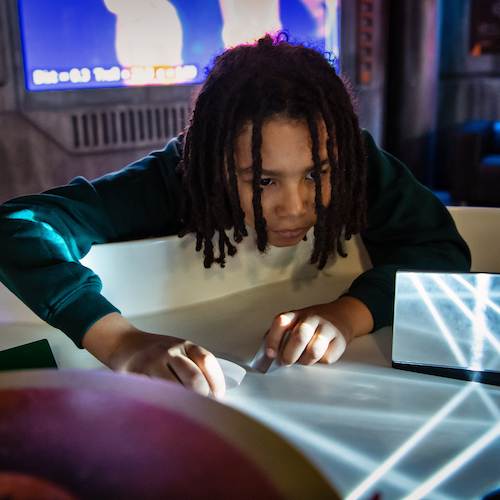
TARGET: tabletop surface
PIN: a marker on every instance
(369, 428)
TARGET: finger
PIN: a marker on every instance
(160, 369)
(299, 339)
(210, 368)
(177, 368)
(189, 374)
(280, 325)
(336, 348)
(317, 347)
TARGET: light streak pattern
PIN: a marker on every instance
(479, 331)
(449, 319)
(437, 317)
(410, 444)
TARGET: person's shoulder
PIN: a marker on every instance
(366, 136)
(377, 157)
(173, 148)
(170, 155)
(369, 143)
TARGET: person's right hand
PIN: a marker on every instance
(122, 347)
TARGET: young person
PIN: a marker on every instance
(273, 144)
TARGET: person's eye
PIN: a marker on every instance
(266, 182)
(310, 177)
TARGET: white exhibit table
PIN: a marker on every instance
(366, 427)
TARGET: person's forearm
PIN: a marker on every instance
(351, 316)
(105, 335)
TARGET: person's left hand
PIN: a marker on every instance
(318, 333)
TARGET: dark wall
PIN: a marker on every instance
(469, 86)
(434, 84)
(364, 42)
(412, 84)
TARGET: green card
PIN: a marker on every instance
(36, 354)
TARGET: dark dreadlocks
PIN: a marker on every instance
(254, 83)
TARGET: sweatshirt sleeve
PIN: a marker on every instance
(44, 236)
(408, 228)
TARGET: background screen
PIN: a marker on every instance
(111, 43)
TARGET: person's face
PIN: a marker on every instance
(288, 189)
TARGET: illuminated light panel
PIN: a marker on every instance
(479, 327)
(464, 282)
(478, 355)
(482, 299)
(437, 317)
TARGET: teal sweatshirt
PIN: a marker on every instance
(43, 236)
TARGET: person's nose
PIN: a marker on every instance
(294, 201)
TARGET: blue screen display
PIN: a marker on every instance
(75, 44)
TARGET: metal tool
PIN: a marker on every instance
(263, 363)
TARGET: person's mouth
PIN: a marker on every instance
(292, 233)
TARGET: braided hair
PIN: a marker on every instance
(254, 83)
